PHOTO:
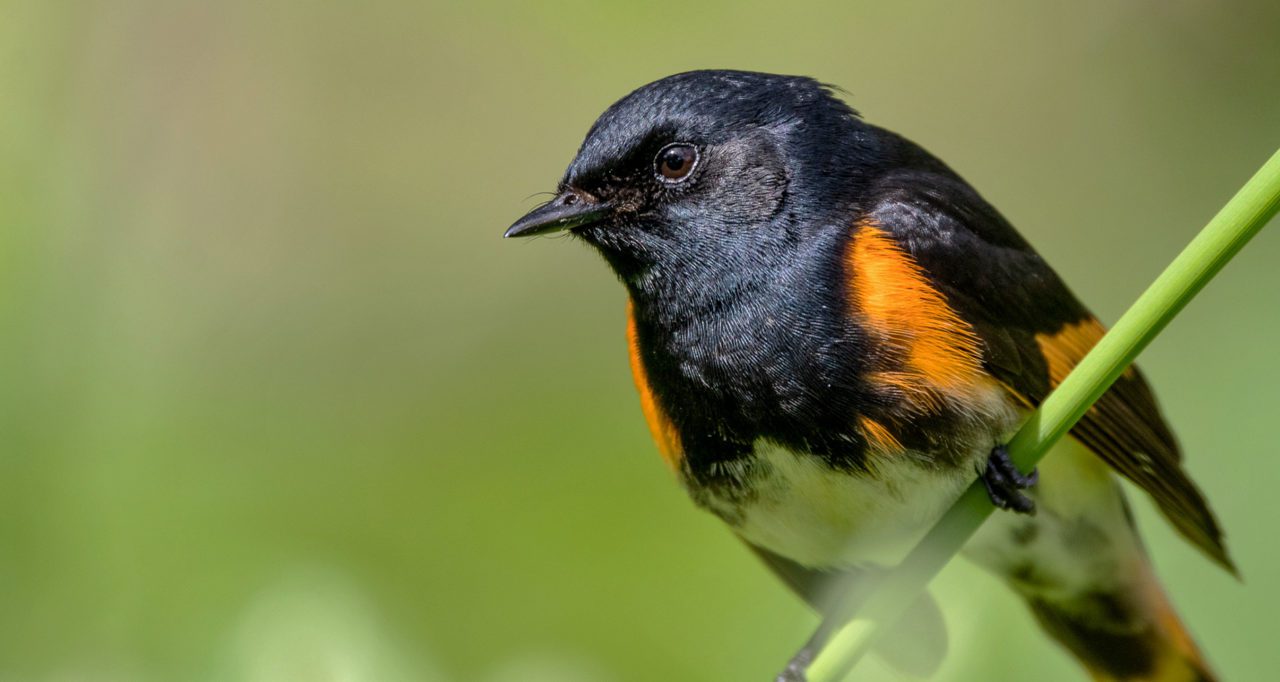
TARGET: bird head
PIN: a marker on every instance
(719, 166)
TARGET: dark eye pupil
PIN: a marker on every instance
(675, 162)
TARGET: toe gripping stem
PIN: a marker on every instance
(1005, 483)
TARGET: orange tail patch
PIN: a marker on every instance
(1181, 658)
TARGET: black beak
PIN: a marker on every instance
(566, 212)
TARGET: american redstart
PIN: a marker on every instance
(833, 335)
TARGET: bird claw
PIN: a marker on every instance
(1005, 483)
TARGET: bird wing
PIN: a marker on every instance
(1034, 331)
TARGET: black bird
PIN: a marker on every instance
(833, 335)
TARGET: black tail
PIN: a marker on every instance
(1081, 568)
(1134, 636)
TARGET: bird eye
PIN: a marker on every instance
(675, 162)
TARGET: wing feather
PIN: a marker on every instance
(1034, 331)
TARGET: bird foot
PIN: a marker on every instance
(1005, 483)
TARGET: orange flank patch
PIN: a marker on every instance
(1064, 349)
(878, 437)
(660, 426)
(936, 353)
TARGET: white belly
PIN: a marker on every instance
(812, 514)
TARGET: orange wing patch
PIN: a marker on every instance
(1125, 429)
(939, 354)
(1065, 348)
(660, 426)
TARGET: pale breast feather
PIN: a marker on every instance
(822, 517)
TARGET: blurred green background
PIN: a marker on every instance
(276, 402)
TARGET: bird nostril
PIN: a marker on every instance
(570, 199)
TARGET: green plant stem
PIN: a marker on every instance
(1247, 212)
